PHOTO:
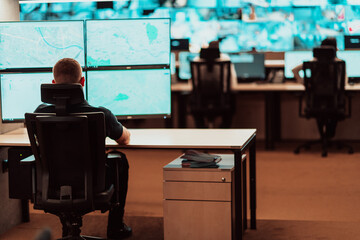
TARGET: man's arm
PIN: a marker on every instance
(125, 137)
(296, 71)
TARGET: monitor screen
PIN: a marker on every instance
(352, 41)
(249, 66)
(294, 58)
(20, 93)
(40, 44)
(352, 59)
(184, 64)
(128, 42)
(131, 93)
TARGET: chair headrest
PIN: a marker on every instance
(209, 53)
(66, 93)
(326, 53)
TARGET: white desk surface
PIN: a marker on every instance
(261, 87)
(169, 138)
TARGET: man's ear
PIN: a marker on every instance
(53, 81)
(82, 81)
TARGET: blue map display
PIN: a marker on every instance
(128, 42)
(20, 93)
(131, 92)
(40, 44)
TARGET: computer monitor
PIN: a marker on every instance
(20, 93)
(249, 67)
(352, 59)
(352, 41)
(133, 93)
(180, 44)
(184, 64)
(128, 42)
(40, 44)
(294, 58)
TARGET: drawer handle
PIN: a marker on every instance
(223, 179)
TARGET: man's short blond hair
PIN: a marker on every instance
(67, 70)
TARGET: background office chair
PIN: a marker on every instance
(211, 96)
(325, 98)
(69, 151)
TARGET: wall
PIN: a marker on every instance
(10, 209)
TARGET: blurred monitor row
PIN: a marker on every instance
(278, 27)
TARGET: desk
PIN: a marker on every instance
(272, 93)
(237, 141)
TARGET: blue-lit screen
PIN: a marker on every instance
(20, 93)
(40, 44)
(294, 58)
(184, 64)
(131, 92)
(352, 60)
(128, 42)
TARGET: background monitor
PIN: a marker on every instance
(352, 60)
(249, 66)
(294, 58)
(184, 64)
(352, 41)
(180, 44)
(40, 44)
(131, 93)
(128, 42)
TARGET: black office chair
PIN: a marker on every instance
(69, 151)
(325, 98)
(211, 96)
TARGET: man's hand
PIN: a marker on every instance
(125, 137)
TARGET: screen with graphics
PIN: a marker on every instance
(294, 58)
(131, 92)
(20, 93)
(40, 44)
(128, 42)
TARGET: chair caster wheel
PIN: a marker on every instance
(351, 151)
(324, 154)
(297, 151)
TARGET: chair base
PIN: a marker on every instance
(325, 143)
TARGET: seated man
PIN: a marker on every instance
(68, 70)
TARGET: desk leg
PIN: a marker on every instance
(252, 169)
(238, 196)
(272, 119)
(244, 179)
(25, 211)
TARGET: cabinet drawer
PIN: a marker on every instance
(198, 176)
(197, 191)
(197, 220)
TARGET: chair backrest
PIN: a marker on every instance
(211, 82)
(69, 152)
(324, 80)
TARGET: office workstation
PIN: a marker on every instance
(138, 57)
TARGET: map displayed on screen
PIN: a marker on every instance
(128, 42)
(40, 44)
(131, 92)
(20, 93)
